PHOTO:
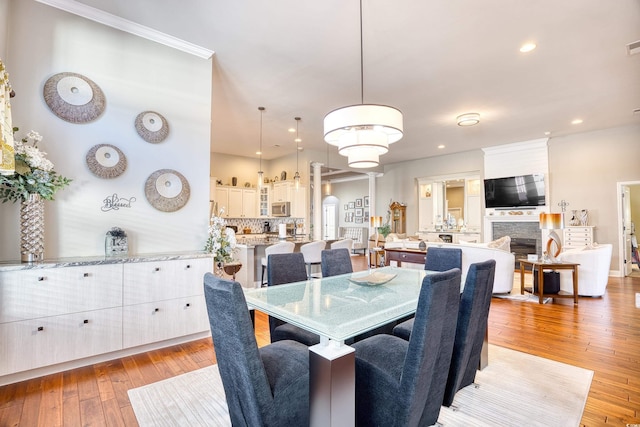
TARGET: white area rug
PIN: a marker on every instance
(516, 389)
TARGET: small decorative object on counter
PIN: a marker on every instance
(422, 245)
(115, 242)
(221, 242)
(584, 217)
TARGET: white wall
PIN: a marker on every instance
(584, 170)
(135, 75)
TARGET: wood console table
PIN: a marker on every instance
(541, 266)
(401, 255)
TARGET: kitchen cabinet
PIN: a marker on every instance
(285, 191)
(264, 202)
(237, 202)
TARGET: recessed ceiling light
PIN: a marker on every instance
(297, 140)
(547, 133)
(576, 121)
(527, 47)
(468, 119)
(441, 146)
(292, 130)
(258, 153)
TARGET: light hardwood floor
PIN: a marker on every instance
(601, 334)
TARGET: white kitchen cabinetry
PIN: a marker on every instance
(237, 202)
(285, 191)
(52, 319)
(264, 204)
(163, 300)
(578, 236)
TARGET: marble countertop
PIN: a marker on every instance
(99, 260)
(267, 241)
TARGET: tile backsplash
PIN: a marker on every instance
(257, 224)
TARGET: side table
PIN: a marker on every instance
(540, 267)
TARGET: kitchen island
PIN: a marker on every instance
(250, 251)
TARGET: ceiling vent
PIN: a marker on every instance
(633, 48)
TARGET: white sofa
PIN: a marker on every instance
(472, 253)
(593, 271)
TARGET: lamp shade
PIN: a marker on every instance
(376, 221)
(551, 221)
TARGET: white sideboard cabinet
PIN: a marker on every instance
(57, 316)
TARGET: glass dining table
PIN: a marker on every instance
(338, 308)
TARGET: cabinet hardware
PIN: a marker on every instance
(188, 265)
(85, 321)
(41, 278)
(157, 269)
(86, 274)
(156, 310)
(188, 304)
(40, 328)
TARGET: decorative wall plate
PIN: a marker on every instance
(167, 190)
(106, 161)
(152, 127)
(74, 97)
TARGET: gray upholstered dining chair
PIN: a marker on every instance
(473, 316)
(335, 261)
(267, 386)
(276, 248)
(443, 259)
(402, 383)
(288, 268)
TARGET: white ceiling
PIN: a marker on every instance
(431, 59)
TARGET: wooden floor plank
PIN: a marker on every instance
(600, 334)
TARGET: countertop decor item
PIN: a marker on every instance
(167, 190)
(74, 97)
(152, 126)
(115, 242)
(32, 229)
(106, 161)
(221, 241)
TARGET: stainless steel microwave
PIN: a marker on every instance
(281, 209)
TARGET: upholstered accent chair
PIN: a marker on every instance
(277, 248)
(312, 253)
(402, 383)
(288, 268)
(335, 261)
(266, 386)
(443, 259)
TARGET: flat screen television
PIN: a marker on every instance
(524, 191)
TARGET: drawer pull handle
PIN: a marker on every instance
(41, 279)
(86, 274)
(157, 269)
(156, 310)
(188, 304)
(85, 321)
(188, 265)
(40, 328)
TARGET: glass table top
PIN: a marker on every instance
(336, 307)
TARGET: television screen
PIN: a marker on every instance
(515, 191)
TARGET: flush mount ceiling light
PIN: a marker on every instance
(468, 119)
(527, 47)
(260, 173)
(363, 132)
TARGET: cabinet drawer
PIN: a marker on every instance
(30, 294)
(163, 320)
(34, 343)
(162, 280)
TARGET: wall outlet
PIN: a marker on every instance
(637, 299)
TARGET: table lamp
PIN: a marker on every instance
(552, 222)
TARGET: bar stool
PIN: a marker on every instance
(278, 248)
(312, 253)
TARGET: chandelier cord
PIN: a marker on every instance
(361, 59)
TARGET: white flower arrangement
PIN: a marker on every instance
(222, 240)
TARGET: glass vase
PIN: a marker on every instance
(32, 229)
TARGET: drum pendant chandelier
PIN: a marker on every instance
(363, 132)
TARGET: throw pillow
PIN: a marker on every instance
(503, 243)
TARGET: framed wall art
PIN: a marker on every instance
(358, 203)
(366, 201)
(359, 212)
(352, 205)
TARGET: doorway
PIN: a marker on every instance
(330, 218)
(629, 220)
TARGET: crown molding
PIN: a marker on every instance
(127, 26)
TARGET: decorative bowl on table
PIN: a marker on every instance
(373, 279)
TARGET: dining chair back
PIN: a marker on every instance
(472, 326)
(277, 248)
(288, 268)
(335, 261)
(344, 243)
(267, 386)
(312, 253)
(443, 259)
(402, 383)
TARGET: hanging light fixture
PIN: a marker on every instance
(363, 132)
(260, 173)
(296, 177)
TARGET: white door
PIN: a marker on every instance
(626, 223)
(329, 217)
